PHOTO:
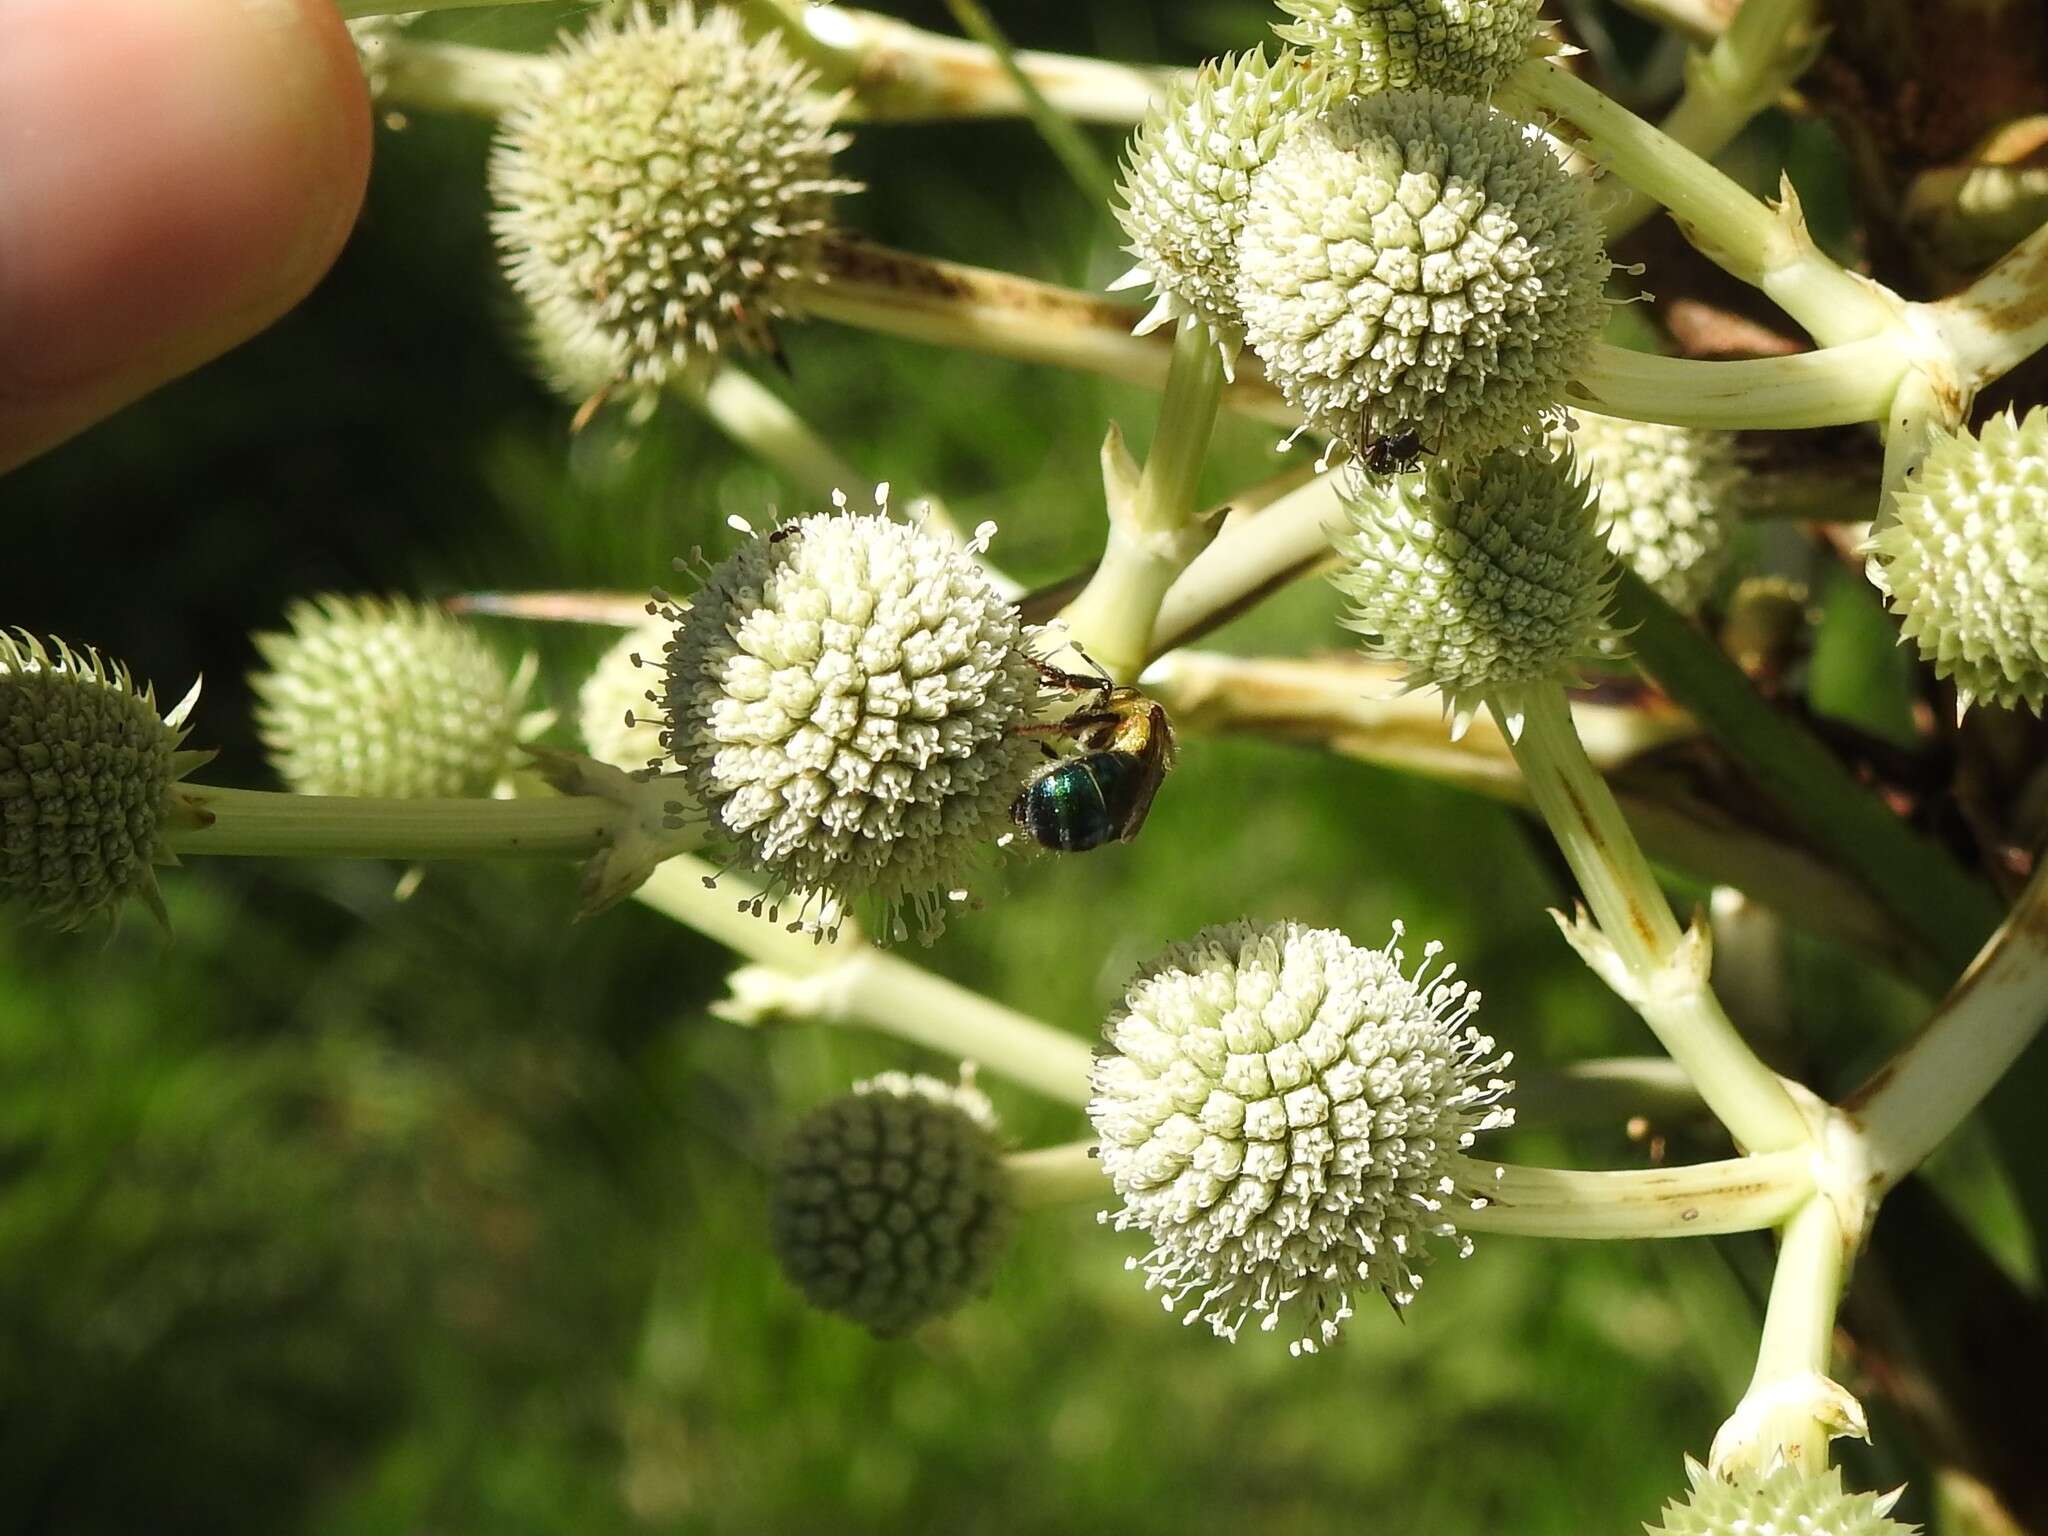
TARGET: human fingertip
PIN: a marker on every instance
(174, 175)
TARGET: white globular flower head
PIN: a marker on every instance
(1670, 499)
(86, 769)
(666, 193)
(1787, 1501)
(1420, 264)
(619, 706)
(890, 1205)
(1188, 172)
(1281, 1112)
(842, 698)
(1964, 561)
(1466, 46)
(389, 697)
(1481, 579)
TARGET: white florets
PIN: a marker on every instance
(1669, 500)
(1965, 561)
(1188, 172)
(664, 194)
(842, 697)
(389, 697)
(1281, 1112)
(1481, 580)
(1467, 46)
(1419, 264)
(619, 706)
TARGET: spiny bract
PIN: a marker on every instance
(1280, 1111)
(666, 192)
(842, 697)
(86, 764)
(1419, 264)
(890, 1204)
(1466, 46)
(1480, 579)
(1188, 171)
(1785, 1502)
(1965, 560)
(388, 697)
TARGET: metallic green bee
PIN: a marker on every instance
(1101, 793)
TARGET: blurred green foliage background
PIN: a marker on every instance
(339, 1215)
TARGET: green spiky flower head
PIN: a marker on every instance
(1281, 1112)
(1188, 172)
(1785, 1502)
(1481, 579)
(842, 698)
(618, 708)
(890, 1205)
(391, 698)
(1964, 560)
(86, 769)
(664, 193)
(1669, 500)
(1464, 46)
(1419, 264)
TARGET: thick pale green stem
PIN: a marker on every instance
(266, 824)
(1835, 386)
(949, 304)
(1150, 541)
(977, 310)
(1766, 47)
(875, 990)
(898, 72)
(683, 889)
(850, 982)
(421, 75)
(1767, 248)
(1063, 1175)
(1792, 1409)
(1926, 891)
(1996, 1011)
(2001, 320)
(1661, 971)
(356, 10)
(1084, 163)
(1356, 708)
(1740, 1194)
(1249, 558)
(758, 419)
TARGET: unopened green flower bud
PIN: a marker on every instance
(890, 1205)
(1188, 172)
(665, 193)
(86, 766)
(1788, 1500)
(1669, 497)
(1281, 1111)
(390, 698)
(1418, 265)
(1480, 579)
(1965, 560)
(1465, 46)
(842, 699)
